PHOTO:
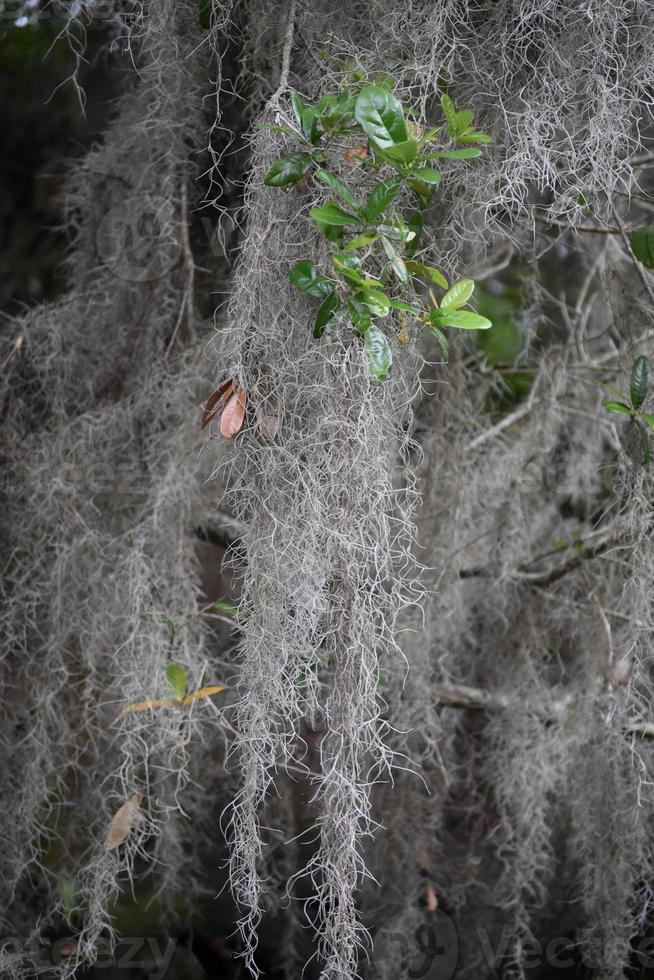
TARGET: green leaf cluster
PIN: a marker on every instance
(374, 267)
(631, 405)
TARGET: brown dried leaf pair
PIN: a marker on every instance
(232, 401)
(122, 822)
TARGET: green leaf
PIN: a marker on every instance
(304, 277)
(648, 418)
(277, 129)
(442, 341)
(298, 106)
(467, 153)
(378, 352)
(399, 304)
(380, 116)
(461, 319)
(396, 231)
(397, 263)
(325, 313)
(309, 124)
(403, 153)
(348, 266)
(380, 197)
(333, 233)
(641, 374)
(426, 272)
(375, 299)
(359, 314)
(228, 609)
(288, 169)
(474, 137)
(458, 295)
(332, 214)
(642, 243)
(462, 121)
(205, 14)
(339, 187)
(361, 240)
(427, 175)
(176, 681)
(414, 224)
(449, 112)
(618, 408)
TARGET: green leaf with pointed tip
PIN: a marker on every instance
(333, 233)
(641, 374)
(399, 304)
(380, 116)
(458, 295)
(339, 187)
(378, 352)
(426, 272)
(348, 266)
(176, 681)
(288, 169)
(325, 313)
(304, 277)
(442, 341)
(449, 112)
(648, 418)
(617, 408)
(462, 121)
(362, 240)
(332, 214)
(461, 319)
(380, 197)
(642, 243)
(467, 153)
(298, 106)
(397, 263)
(475, 137)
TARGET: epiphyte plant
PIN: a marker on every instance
(632, 404)
(362, 131)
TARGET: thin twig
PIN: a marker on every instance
(632, 255)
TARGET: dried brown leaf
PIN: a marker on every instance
(215, 402)
(122, 822)
(231, 421)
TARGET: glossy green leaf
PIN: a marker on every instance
(304, 277)
(397, 231)
(642, 243)
(378, 352)
(348, 266)
(426, 272)
(332, 214)
(288, 169)
(461, 319)
(458, 295)
(298, 106)
(176, 681)
(359, 314)
(402, 153)
(617, 408)
(380, 116)
(309, 124)
(449, 112)
(396, 261)
(325, 313)
(641, 374)
(333, 233)
(380, 198)
(648, 418)
(362, 240)
(427, 175)
(339, 187)
(375, 299)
